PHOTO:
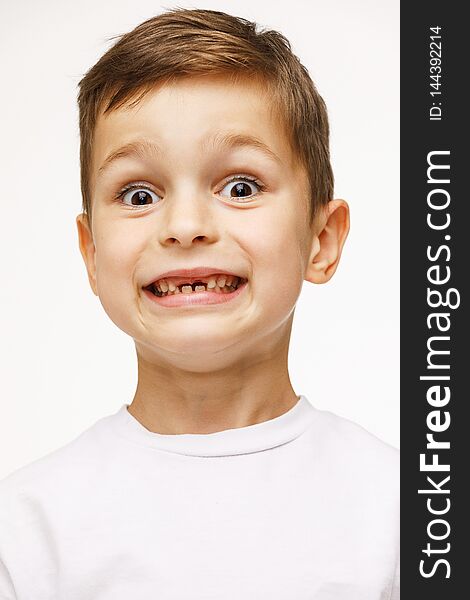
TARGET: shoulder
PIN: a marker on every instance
(361, 443)
(54, 471)
(348, 450)
(352, 432)
(358, 476)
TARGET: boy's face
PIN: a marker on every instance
(186, 213)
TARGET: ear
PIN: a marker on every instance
(330, 233)
(87, 249)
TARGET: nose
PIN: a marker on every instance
(188, 219)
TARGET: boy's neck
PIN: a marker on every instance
(169, 400)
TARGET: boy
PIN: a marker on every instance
(207, 201)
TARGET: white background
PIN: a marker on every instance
(64, 364)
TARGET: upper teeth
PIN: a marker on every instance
(211, 282)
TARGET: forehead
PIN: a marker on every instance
(190, 116)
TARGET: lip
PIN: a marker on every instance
(195, 298)
(192, 273)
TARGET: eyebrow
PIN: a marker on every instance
(143, 148)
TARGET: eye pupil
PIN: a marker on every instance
(141, 197)
(240, 190)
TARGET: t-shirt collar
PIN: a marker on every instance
(229, 442)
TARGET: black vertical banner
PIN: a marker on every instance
(435, 268)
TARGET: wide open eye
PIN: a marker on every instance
(138, 195)
(241, 187)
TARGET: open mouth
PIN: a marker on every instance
(217, 284)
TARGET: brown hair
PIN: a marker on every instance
(181, 43)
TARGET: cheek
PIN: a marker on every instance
(117, 255)
(278, 262)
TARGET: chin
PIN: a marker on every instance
(198, 354)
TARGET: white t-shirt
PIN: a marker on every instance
(304, 506)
